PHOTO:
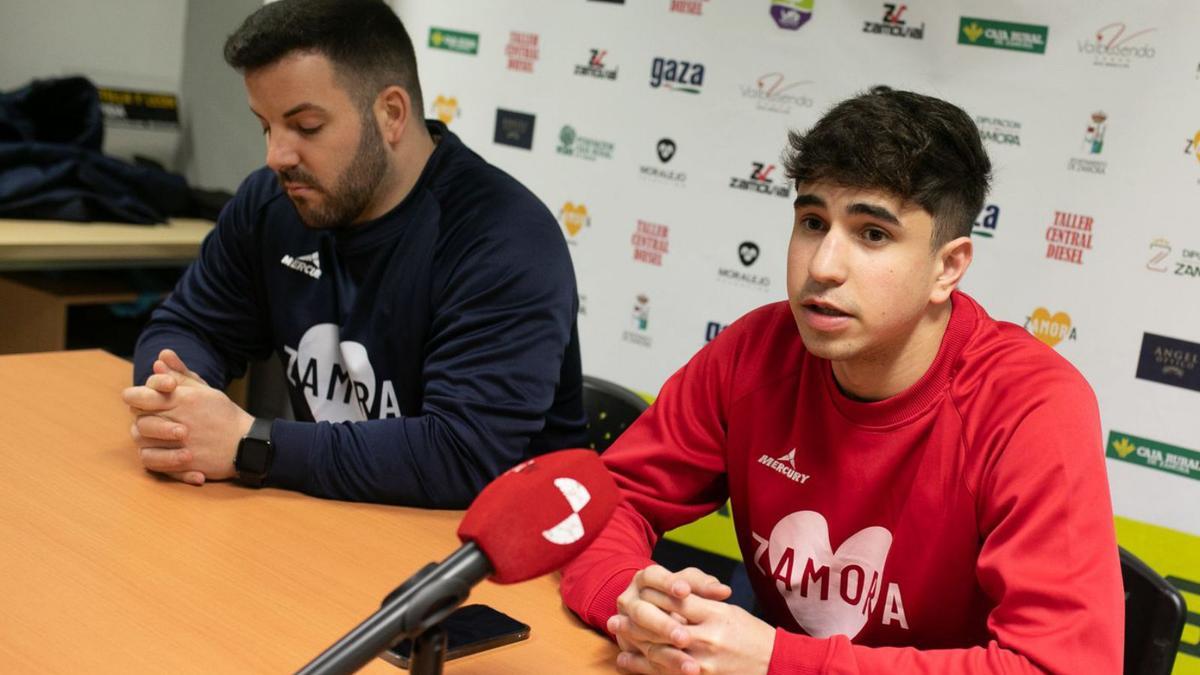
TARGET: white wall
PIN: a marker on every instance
(134, 43)
(222, 141)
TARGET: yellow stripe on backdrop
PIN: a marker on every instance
(712, 533)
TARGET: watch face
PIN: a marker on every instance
(253, 456)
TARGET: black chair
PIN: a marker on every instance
(1155, 614)
(610, 409)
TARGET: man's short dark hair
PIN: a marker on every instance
(918, 148)
(364, 39)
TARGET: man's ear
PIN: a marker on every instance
(953, 259)
(393, 110)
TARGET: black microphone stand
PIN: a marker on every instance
(428, 652)
(414, 610)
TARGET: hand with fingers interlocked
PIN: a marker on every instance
(678, 622)
(184, 428)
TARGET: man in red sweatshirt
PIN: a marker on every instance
(916, 487)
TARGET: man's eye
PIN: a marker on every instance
(876, 235)
(812, 224)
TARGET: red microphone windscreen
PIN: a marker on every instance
(538, 515)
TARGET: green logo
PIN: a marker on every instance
(567, 136)
(1152, 454)
(574, 145)
(454, 41)
(1020, 37)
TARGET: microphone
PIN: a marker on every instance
(529, 521)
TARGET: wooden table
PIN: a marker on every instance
(36, 304)
(107, 568)
(48, 244)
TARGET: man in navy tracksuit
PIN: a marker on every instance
(421, 301)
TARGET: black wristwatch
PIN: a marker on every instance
(255, 453)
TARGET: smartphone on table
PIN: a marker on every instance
(469, 629)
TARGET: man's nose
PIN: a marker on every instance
(828, 264)
(281, 156)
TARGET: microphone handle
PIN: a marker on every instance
(417, 605)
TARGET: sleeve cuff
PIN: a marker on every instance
(795, 654)
(604, 602)
(294, 443)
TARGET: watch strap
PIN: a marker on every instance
(259, 435)
(261, 429)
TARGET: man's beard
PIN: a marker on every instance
(354, 188)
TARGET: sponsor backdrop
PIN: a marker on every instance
(653, 130)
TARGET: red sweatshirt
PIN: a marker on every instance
(961, 526)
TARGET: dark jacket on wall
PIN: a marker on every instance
(51, 166)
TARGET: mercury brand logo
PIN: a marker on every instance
(683, 76)
(308, 264)
(785, 465)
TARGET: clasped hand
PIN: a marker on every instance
(678, 622)
(183, 427)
